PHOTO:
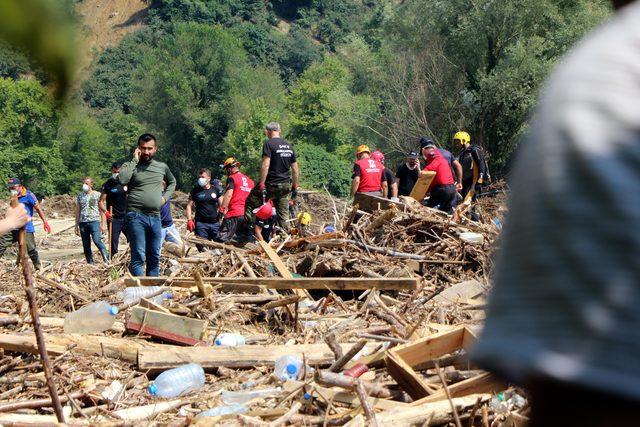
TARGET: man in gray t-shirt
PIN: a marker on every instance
(90, 221)
(564, 314)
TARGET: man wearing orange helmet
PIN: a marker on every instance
(368, 174)
(239, 187)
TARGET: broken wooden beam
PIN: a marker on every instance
(246, 356)
(253, 284)
(168, 327)
(332, 379)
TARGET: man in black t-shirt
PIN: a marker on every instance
(113, 202)
(407, 174)
(279, 173)
(205, 197)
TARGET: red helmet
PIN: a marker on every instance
(264, 212)
(378, 156)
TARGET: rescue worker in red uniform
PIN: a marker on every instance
(239, 187)
(442, 190)
(368, 175)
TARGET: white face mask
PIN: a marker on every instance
(115, 175)
(85, 188)
(14, 193)
(202, 182)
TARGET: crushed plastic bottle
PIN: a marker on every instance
(91, 319)
(177, 381)
(473, 238)
(288, 368)
(241, 397)
(498, 404)
(229, 340)
(223, 410)
(135, 293)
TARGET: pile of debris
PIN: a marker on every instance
(370, 324)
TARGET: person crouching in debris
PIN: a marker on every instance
(91, 223)
(30, 202)
(260, 215)
(232, 209)
(442, 190)
(205, 197)
(368, 175)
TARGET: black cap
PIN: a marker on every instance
(425, 142)
(13, 181)
(413, 154)
(116, 165)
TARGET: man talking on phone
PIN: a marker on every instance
(143, 175)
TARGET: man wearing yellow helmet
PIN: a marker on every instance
(474, 170)
(239, 187)
(368, 176)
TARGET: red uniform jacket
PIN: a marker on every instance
(370, 173)
(441, 167)
(242, 186)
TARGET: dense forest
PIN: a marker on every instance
(205, 76)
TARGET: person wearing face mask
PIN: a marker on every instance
(442, 191)
(407, 174)
(143, 176)
(233, 204)
(90, 221)
(113, 203)
(205, 198)
(31, 204)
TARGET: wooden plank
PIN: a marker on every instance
(169, 327)
(118, 348)
(314, 239)
(369, 203)
(246, 356)
(146, 303)
(251, 283)
(343, 396)
(483, 383)
(406, 377)
(421, 186)
(282, 269)
(430, 347)
(460, 291)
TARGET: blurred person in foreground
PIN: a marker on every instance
(563, 319)
(14, 219)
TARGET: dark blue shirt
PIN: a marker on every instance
(165, 214)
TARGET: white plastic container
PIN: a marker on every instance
(241, 397)
(91, 319)
(473, 238)
(178, 381)
(229, 340)
(288, 368)
(223, 410)
(136, 293)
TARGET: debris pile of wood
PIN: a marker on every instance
(381, 312)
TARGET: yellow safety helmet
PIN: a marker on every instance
(304, 218)
(462, 138)
(230, 161)
(363, 149)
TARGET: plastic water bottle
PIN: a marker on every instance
(135, 293)
(288, 368)
(178, 381)
(241, 397)
(90, 319)
(229, 340)
(223, 410)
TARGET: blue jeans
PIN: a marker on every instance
(88, 231)
(145, 240)
(206, 230)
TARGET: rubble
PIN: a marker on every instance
(397, 290)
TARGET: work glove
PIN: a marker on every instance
(191, 225)
(47, 227)
(107, 215)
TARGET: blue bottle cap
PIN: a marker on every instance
(292, 369)
(307, 396)
(217, 341)
(153, 389)
(168, 295)
(113, 310)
